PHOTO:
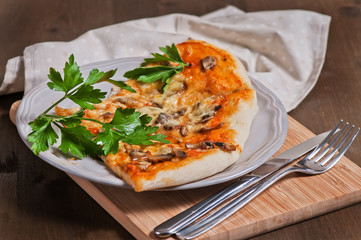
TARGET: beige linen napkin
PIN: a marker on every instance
(285, 50)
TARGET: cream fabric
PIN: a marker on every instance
(285, 50)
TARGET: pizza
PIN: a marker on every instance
(205, 112)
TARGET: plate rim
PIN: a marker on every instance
(258, 86)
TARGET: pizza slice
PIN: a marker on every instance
(205, 111)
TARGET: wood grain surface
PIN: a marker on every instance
(38, 201)
(290, 200)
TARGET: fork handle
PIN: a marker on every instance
(193, 213)
(218, 216)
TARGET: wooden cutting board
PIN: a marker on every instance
(292, 199)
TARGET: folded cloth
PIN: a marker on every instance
(285, 50)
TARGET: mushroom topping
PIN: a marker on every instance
(129, 101)
(196, 105)
(166, 154)
(157, 105)
(192, 145)
(161, 157)
(207, 117)
(135, 155)
(208, 63)
(131, 148)
(207, 129)
(207, 145)
(175, 86)
(169, 127)
(228, 147)
(218, 107)
(179, 113)
(143, 165)
(183, 131)
(107, 116)
(162, 118)
(180, 154)
(201, 145)
(164, 150)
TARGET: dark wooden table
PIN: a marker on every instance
(38, 201)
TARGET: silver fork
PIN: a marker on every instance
(318, 161)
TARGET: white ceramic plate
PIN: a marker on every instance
(268, 131)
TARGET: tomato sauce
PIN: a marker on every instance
(222, 82)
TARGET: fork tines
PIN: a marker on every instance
(338, 141)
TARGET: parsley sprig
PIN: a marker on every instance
(127, 125)
(159, 72)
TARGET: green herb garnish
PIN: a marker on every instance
(127, 125)
(159, 72)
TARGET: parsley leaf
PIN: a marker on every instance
(151, 74)
(109, 139)
(94, 77)
(126, 120)
(78, 140)
(159, 72)
(87, 94)
(142, 136)
(42, 135)
(145, 119)
(156, 58)
(56, 83)
(72, 77)
(172, 53)
(127, 126)
(121, 85)
(72, 120)
(106, 78)
(72, 74)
